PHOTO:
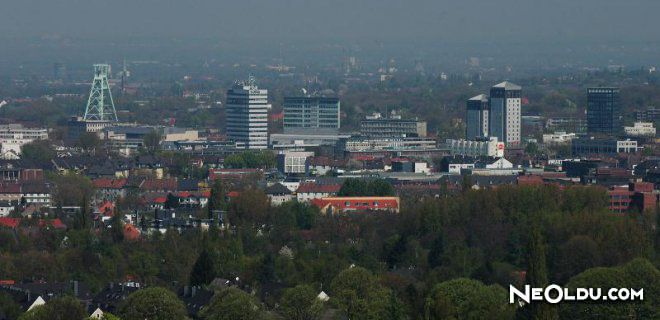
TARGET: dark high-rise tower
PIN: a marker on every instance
(603, 111)
(477, 117)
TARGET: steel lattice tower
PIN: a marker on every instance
(100, 105)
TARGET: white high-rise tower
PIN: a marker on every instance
(505, 113)
(247, 115)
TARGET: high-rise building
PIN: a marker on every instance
(477, 117)
(311, 115)
(603, 111)
(505, 113)
(247, 115)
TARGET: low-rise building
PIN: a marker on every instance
(640, 129)
(476, 148)
(278, 194)
(293, 162)
(308, 191)
(335, 205)
(377, 125)
(14, 136)
(559, 137)
(602, 146)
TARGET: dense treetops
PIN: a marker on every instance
(417, 264)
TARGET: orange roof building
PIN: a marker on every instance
(357, 204)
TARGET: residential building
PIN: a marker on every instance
(378, 126)
(247, 115)
(311, 115)
(278, 194)
(308, 191)
(505, 113)
(603, 111)
(640, 129)
(333, 205)
(489, 147)
(477, 117)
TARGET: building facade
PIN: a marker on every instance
(603, 111)
(293, 162)
(505, 113)
(640, 129)
(247, 115)
(477, 117)
(476, 148)
(379, 126)
(317, 115)
(594, 146)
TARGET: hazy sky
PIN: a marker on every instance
(426, 20)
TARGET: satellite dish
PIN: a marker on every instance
(304, 91)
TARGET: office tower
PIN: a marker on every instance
(477, 117)
(603, 111)
(379, 126)
(247, 115)
(311, 115)
(504, 114)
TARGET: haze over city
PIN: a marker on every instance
(329, 160)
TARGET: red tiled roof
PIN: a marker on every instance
(233, 194)
(530, 180)
(9, 222)
(160, 184)
(184, 194)
(358, 203)
(55, 223)
(311, 187)
(107, 207)
(107, 183)
(131, 233)
(160, 200)
(8, 188)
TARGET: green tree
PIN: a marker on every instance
(464, 298)
(152, 303)
(88, 141)
(62, 308)
(203, 271)
(232, 304)
(217, 199)
(10, 309)
(357, 292)
(40, 151)
(152, 140)
(537, 274)
(301, 303)
(636, 274)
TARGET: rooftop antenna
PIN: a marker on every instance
(100, 105)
